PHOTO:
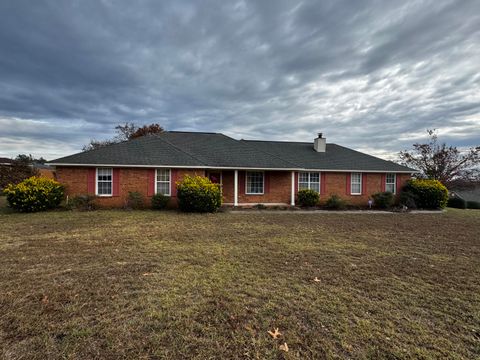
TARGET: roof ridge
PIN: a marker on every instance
(283, 141)
(193, 132)
(181, 150)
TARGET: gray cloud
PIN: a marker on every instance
(372, 75)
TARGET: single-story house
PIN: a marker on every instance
(249, 171)
(6, 161)
(467, 193)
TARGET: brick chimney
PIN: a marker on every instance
(320, 143)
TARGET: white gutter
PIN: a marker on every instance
(231, 168)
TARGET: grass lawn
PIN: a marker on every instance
(144, 284)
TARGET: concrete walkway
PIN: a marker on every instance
(375, 212)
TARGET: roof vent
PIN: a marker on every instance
(320, 143)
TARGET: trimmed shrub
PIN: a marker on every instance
(473, 205)
(135, 200)
(456, 202)
(160, 201)
(383, 200)
(34, 194)
(429, 194)
(83, 202)
(335, 202)
(407, 199)
(198, 194)
(307, 197)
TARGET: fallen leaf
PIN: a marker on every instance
(275, 334)
(316, 279)
(284, 347)
(45, 299)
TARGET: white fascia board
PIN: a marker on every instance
(232, 168)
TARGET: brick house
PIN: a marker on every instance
(249, 171)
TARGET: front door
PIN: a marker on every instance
(215, 177)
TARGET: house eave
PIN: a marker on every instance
(233, 168)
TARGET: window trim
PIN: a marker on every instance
(263, 182)
(96, 182)
(164, 182)
(351, 183)
(394, 192)
(309, 182)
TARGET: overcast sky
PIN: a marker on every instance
(371, 75)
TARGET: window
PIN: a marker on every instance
(390, 182)
(163, 182)
(104, 181)
(254, 183)
(356, 184)
(309, 180)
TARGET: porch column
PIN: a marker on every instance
(292, 199)
(235, 189)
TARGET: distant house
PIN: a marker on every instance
(5, 161)
(249, 171)
(467, 193)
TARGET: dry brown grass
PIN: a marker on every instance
(117, 284)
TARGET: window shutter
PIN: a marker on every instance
(116, 182)
(91, 181)
(348, 189)
(323, 184)
(173, 181)
(151, 182)
(266, 182)
(241, 182)
(364, 184)
(384, 179)
(398, 183)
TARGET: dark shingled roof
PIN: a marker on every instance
(194, 149)
(335, 157)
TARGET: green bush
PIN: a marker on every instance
(335, 202)
(135, 200)
(383, 200)
(34, 194)
(456, 202)
(428, 194)
(198, 194)
(83, 202)
(160, 201)
(473, 205)
(307, 197)
(407, 199)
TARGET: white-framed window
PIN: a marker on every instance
(254, 183)
(163, 180)
(356, 184)
(390, 183)
(104, 182)
(309, 180)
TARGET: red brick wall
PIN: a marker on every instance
(336, 183)
(131, 179)
(277, 187)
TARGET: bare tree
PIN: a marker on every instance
(445, 163)
(124, 132)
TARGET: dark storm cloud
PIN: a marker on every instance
(370, 74)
